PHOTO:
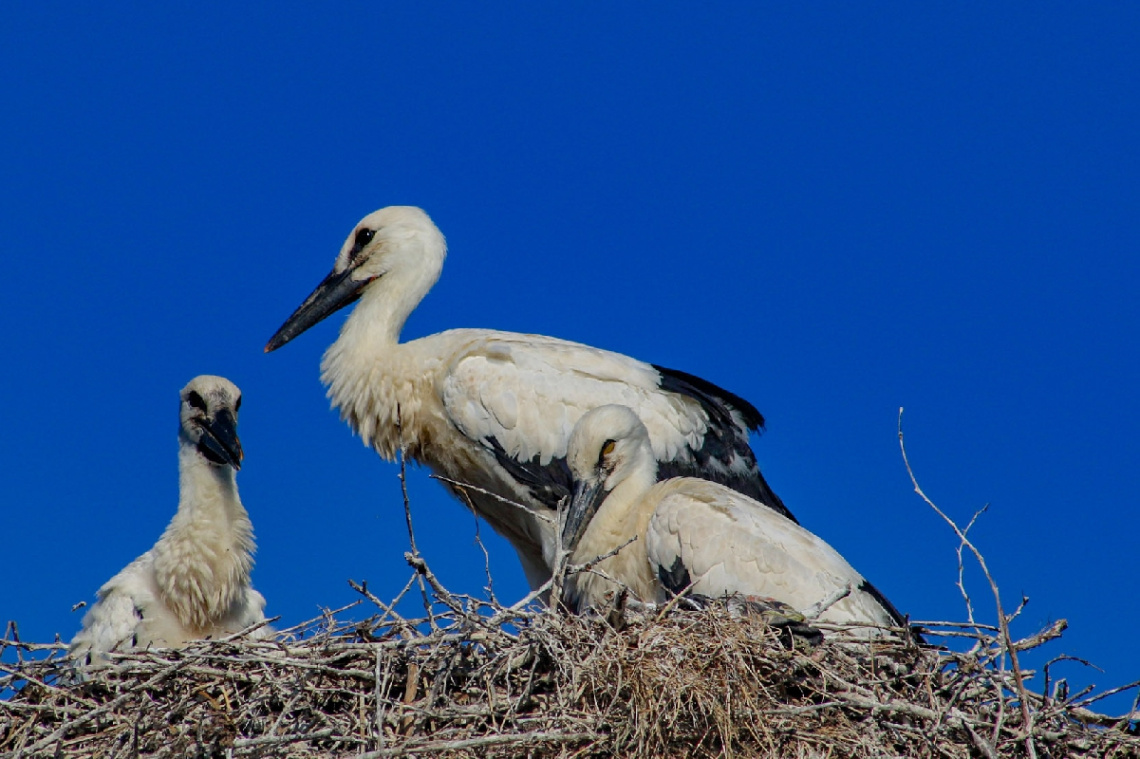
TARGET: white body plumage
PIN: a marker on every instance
(495, 409)
(692, 534)
(195, 582)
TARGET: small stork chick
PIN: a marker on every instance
(194, 583)
(692, 535)
(495, 409)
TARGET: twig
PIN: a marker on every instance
(980, 743)
(587, 566)
(561, 556)
(105, 708)
(1026, 714)
(487, 741)
(246, 631)
(516, 608)
(297, 629)
(812, 612)
(402, 474)
(479, 542)
(411, 685)
(1052, 632)
(387, 609)
(668, 606)
(281, 740)
(961, 561)
(1107, 693)
(467, 486)
(973, 625)
(418, 563)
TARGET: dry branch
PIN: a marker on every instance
(486, 680)
(474, 678)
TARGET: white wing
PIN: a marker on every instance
(710, 536)
(520, 396)
(129, 614)
(116, 621)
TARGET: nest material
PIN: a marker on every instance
(477, 679)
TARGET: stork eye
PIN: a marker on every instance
(237, 404)
(607, 449)
(364, 236)
(196, 401)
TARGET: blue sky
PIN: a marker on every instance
(832, 211)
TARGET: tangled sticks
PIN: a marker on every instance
(476, 678)
(472, 677)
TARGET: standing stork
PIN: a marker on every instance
(194, 583)
(692, 534)
(495, 409)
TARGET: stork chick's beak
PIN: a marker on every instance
(219, 442)
(588, 496)
(336, 291)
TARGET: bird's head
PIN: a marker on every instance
(399, 244)
(609, 444)
(209, 419)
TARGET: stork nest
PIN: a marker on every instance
(474, 678)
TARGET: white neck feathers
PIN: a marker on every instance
(203, 560)
(372, 379)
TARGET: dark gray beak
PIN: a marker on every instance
(219, 442)
(331, 295)
(588, 496)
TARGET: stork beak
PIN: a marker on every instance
(334, 293)
(219, 442)
(588, 496)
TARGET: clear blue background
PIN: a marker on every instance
(833, 212)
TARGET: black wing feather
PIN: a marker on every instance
(726, 442)
(717, 401)
(676, 578)
(548, 483)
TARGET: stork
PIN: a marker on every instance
(691, 535)
(194, 583)
(495, 409)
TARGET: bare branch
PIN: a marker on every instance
(1003, 621)
(477, 678)
(813, 611)
(467, 486)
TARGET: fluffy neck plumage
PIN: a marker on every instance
(369, 377)
(203, 560)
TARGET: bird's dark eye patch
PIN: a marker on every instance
(363, 237)
(607, 449)
(237, 404)
(196, 401)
